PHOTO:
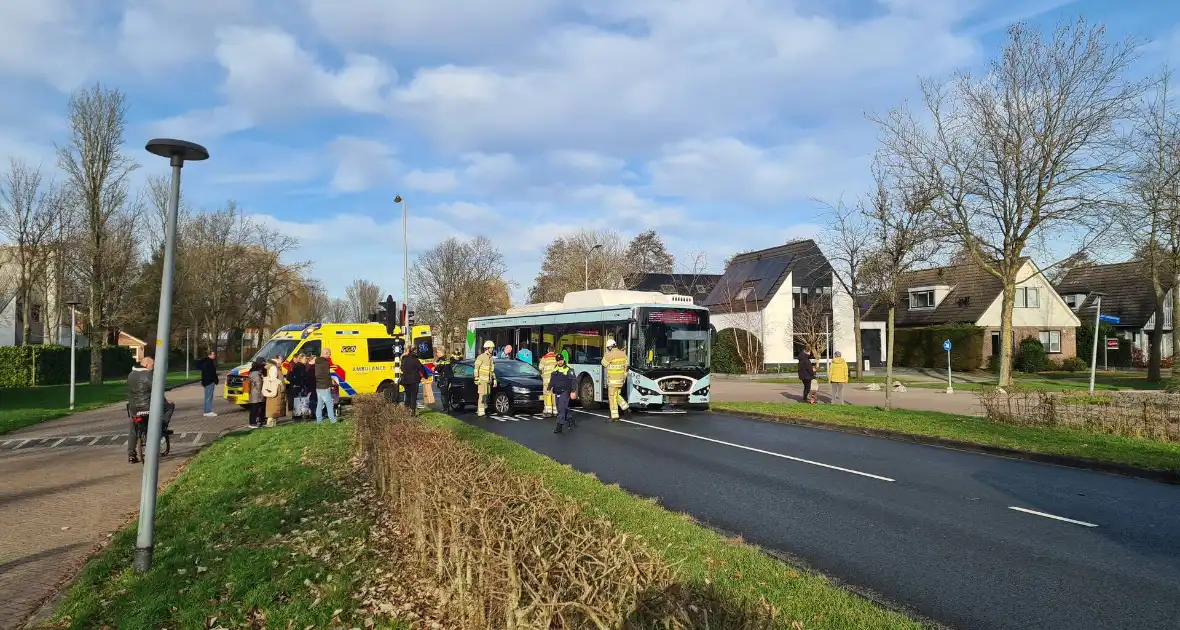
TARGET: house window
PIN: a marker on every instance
(1027, 297)
(1051, 339)
(922, 299)
(1074, 300)
(35, 314)
(799, 296)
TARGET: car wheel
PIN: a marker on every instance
(457, 405)
(501, 404)
(586, 393)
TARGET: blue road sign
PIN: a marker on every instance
(1110, 319)
(946, 345)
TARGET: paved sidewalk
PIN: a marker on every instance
(59, 499)
(919, 399)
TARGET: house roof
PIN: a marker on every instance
(698, 285)
(763, 272)
(973, 290)
(1127, 285)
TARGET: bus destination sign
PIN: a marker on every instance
(674, 317)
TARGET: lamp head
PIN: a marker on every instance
(397, 199)
(172, 148)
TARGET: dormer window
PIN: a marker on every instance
(1074, 300)
(922, 299)
(744, 293)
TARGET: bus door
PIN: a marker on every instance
(621, 333)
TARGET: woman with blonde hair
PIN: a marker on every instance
(274, 391)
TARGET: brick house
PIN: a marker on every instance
(966, 294)
(1129, 295)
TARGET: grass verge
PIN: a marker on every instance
(26, 406)
(1045, 382)
(700, 554)
(1050, 441)
(261, 531)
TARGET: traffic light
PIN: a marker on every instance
(402, 319)
(410, 317)
(389, 314)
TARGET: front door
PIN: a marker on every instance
(870, 346)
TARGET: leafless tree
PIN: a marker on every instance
(847, 244)
(903, 231)
(1024, 154)
(455, 281)
(689, 273)
(594, 259)
(812, 324)
(28, 214)
(1150, 217)
(339, 310)
(741, 313)
(363, 297)
(97, 174)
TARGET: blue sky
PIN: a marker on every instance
(716, 122)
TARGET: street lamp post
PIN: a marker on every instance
(73, 348)
(178, 152)
(592, 249)
(1097, 324)
(405, 259)
(186, 345)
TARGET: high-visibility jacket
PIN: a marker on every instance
(838, 371)
(485, 369)
(615, 363)
(547, 365)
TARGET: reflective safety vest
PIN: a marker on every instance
(615, 363)
(548, 364)
(485, 369)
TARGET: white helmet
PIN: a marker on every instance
(610, 343)
(488, 344)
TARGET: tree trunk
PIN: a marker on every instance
(1156, 339)
(1176, 329)
(26, 311)
(92, 322)
(1006, 306)
(889, 359)
(856, 337)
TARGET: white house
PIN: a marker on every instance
(1127, 294)
(761, 292)
(43, 328)
(967, 294)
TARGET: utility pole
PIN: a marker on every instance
(177, 151)
(73, 349)
(405, 255)
(1094, 351)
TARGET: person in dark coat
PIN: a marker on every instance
(806, 374)
(561, 383)
(444, 373)
(295, 380)
(139, 402)
(209, 380)
(411, 378)
(309, 386)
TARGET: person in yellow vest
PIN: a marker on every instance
(485, 376)
(615, 362)
(547, 365)
(837, 377)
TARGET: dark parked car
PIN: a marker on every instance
(518, 387)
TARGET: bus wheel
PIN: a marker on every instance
(586, 393)
(387, 390)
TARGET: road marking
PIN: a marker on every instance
(22, 443)
(1052, 516)
(750, 448)
(58, 442)
(198, 438)
(95, 440)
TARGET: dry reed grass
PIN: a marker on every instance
(501, 550)
(1145, 415)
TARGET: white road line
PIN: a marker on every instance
(58, 442)
(198, 438)
(95, 440)
(750, 448)
(22, 443)
(1052, 516)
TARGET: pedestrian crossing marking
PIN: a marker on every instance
(54, 441)
(518, 418)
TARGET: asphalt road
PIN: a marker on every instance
(936, 530)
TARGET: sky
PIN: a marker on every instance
(722, 124)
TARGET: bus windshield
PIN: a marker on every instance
(282, 347)
(677, 339)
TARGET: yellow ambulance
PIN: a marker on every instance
(365, 358)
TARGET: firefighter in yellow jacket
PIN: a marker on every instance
(615, 362)
(485, 376)
(547, 365)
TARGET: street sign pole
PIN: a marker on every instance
(946, 345)
(1094, 352)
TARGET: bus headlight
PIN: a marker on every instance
(643, 391)
(704, 391)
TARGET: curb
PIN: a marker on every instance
(1126, 470)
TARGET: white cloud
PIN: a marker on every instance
(159, 35)
(361, 164)
(50, 40)
(431, 181)
(491, 171)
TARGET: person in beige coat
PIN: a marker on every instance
(274, 390)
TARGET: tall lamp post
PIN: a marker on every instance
(186, 346)
(1097, 325)
(405, 260)
(177, 152)
(73, 348)
(589, 253)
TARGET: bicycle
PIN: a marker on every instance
(141, 423)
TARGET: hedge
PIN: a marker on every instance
(725, 359)
(24, 366)
(922, 347)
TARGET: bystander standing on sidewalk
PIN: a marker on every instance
(255, 399)
(209, 380)
(297, 377)
(411, 378)
(806, 374)
(275, 391)
(309, 386)
(323, 387)
(837, 377)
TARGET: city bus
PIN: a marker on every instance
(668, 341)
(366, 358)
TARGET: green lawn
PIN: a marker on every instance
(26, 406)
(739, 570)
(1107, 448)
(1046, 381)
(262, 531)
